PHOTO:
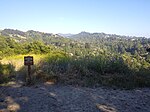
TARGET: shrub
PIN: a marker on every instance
(6, 72)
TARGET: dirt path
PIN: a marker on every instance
(58, 98)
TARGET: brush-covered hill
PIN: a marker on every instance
(112, 42)
(100, 37)
(76, 44)
(31, 35)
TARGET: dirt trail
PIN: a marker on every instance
(57, 98)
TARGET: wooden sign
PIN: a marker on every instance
(28, 60)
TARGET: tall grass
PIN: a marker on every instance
(14, 65)
(60, 67)
(18, 60)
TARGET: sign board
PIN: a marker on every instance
(28, 60)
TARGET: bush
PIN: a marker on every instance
(94, 70)
(142, 78)
(6, 72)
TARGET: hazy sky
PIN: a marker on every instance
(124, 17)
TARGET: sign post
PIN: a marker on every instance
(28, 61)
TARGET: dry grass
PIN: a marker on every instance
(18, 60)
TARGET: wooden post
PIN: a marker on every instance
(29, 74)
(28, 61)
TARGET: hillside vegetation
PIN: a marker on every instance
(85, 59)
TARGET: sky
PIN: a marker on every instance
(123, 17)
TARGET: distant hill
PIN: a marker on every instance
(50, 38)
(79, 44)
(99, 37)
(31, 35)
(12, 32)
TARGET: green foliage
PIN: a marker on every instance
(9, 47)
(94, 70)
(6, 71)
(37, 47)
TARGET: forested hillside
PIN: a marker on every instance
(31, 35)
(83, 59)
